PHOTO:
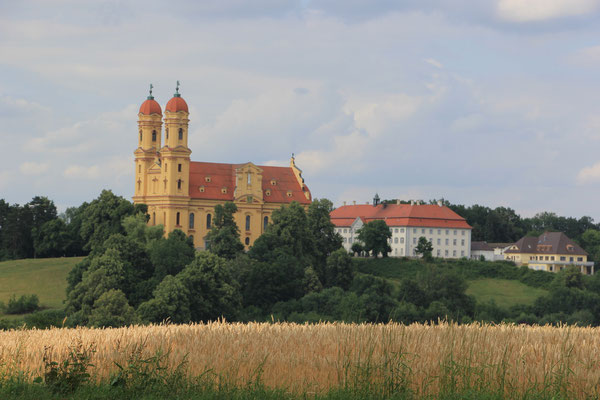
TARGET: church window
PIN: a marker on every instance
(139, 185)
(249, 199)
(179, 184)
(180, 134)
(208, 220)
(153, 218)
(154, 136)
(265, 223)
(247, 222)
(177, 219)
(166, 168)
(191, 220)
(178, 167)
(140, 136)
(247, 241)
(140, 168)
(249, 177)
(167, 132)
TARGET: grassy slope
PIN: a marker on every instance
(504, 292)
(45, 277)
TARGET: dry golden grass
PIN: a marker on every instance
(313, 358)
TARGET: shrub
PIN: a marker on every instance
(66, 376)
(45, 319)
(22, 305)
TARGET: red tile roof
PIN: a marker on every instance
(223, 176)
(149, 107)
(426, 215)
(177, 104)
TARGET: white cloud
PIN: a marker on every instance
(539, 10)
(434, 62)
(82, 172)
(589, 174)
(33, 168)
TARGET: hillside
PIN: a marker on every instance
(45, 277)
(501, 282)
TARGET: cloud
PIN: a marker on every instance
(434, 62)
(33, 168)
(589, 174)
(82, 172)
(539, 10)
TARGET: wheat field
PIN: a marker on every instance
(424, 359)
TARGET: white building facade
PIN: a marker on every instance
(449, 233)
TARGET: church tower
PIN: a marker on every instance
(175, 158)
(149, 143)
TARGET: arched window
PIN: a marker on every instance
(249, 178)
(265, 223)
(191, 220)
(247, 222)
(247, 241)
(154, 136)
(180, 133)
(167, 132)
(178, 183)
(208, 221)
(153, 218)
(177, 220)
(140, 136)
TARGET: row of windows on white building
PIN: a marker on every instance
(414, 230)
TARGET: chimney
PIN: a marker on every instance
(398, 201)
(354, 202)
(344, 203)
(439, 203)
(412, 202)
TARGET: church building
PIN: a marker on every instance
(182, 194)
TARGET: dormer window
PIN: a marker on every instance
(267, 192)
(207, 179)
(273, 182)
(201, 189)
(224, 190)
(289, 193)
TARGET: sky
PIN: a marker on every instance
(491, 102)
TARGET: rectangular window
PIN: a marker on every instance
(453, 253)
(396, 230)
(551, 258)
(401, 240)
(401, 230)
(439, 231)
(439, 252)
(579, 258)
(431, 231)
(446, 253)
(454, 242)
(546, 258)
(447, 231)
(178, 167)
(463, 233)
(414, 230)
(570, 258)
(462, 242)
(462, 253)
(423, 230)
(563, 258)
(414, 240)
(439, 241)
(455, 232)
(447, 242)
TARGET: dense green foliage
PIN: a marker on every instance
(375, 236)
(22, 305)
(224, 236)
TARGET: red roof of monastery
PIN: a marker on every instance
(149, 107)
(177, 104)
(426, 215)
(222, 176)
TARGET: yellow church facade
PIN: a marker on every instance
(182, 194)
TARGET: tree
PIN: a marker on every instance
(213, 293)
(375, 237)
(103, 216)
(339, 271)
(356, 248)
(112, 310)
(170, 256)
(224, 236)
(424, 248)
(326, 239)
(51, 239)
(171, 301)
